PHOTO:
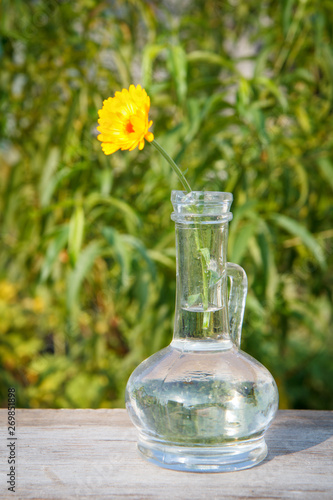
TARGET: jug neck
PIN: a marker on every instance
(201, 317)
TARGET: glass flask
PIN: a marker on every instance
(201, 404)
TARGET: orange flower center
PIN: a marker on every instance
(129, 127)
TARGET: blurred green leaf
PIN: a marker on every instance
(75, 234)
(274, 89)
(209, 58)
(178, 68)
(326, 170)
(47, 179)
(120, 251)
(138, 245)
(160, 257)
(270, 273)
(131, 218)
(149, 55)
(55, 246)
(303, 119)
(243, 236)
(82, 267)
(296, 229)
(287, 11)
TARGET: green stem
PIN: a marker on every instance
(173, 165)
(187, 187)
(199, 245)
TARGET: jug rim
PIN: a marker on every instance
(204, 207)
(201, 197)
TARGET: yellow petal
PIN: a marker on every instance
(149, 136)
(108, 148)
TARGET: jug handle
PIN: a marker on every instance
(236, 302)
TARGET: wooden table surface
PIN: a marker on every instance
(92, 454)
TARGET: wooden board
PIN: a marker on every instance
(65, 454)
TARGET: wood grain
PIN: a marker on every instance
(65, 454)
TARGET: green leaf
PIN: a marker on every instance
(253, 304)
(139, 246)
(160, 257)
(243, 94)
(274, 89)
(206, 255)
(46, 184)
(53, 250)
(326, 169)
(269, 269)
(303, 119)
(75, 236)
(287, 7)
(303, 182)
(83, 265)
(178, 68)
(209, 58)
(193, 299)
(120, 252)
(131, 218)
(241, 241)
(106, 180)
(67, 128)
(296, 229)
(214, 278)
(150, 53)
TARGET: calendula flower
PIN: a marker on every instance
(123, 124)
(123, 121)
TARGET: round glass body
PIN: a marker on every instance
(201, 404)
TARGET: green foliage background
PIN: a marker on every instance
(242, 97)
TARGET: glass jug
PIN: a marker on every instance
(201, 404)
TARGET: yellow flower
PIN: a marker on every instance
(123, 121)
